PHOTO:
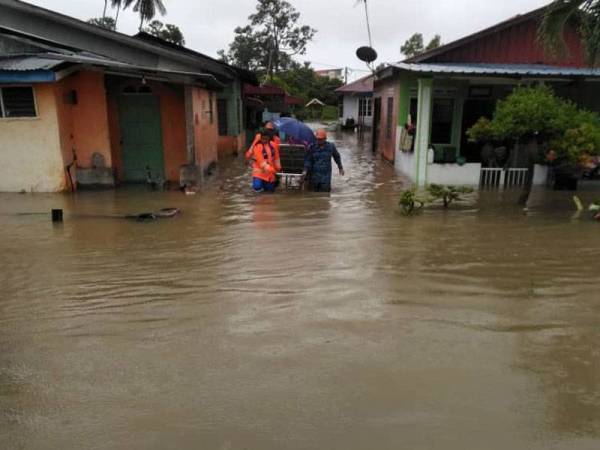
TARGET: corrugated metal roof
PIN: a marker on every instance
(520, 70)
(363, 85)
(27, 63)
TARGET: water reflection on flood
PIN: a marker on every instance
(299, 321)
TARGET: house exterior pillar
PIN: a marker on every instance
(189, 126)
(424, 113)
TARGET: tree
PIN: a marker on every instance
(271, 39)
(584, 13)
(107, 23)
(434, 43)
(147, 9)
(301, 80)
(168, 32)
(120, 4)
(415, 45)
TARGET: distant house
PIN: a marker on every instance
(82, 106)
(267, 102)
(356, 101)
(431, 100)
(331, 73)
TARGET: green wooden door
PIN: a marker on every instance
(141, 137)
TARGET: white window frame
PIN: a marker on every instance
(35, 106)
(368, 106)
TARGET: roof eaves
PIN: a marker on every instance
(114, 35)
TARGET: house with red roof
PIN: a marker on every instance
(355, 101)
(424, 105)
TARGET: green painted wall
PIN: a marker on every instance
(406, 84)
(233, 94)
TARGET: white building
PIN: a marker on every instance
(356, 101)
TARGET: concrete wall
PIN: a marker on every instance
(84, 125)
(453, 174)
(385, 90)
(406, 165)
(205, 128)
(351, 110)
(31, 157)
(173, 122)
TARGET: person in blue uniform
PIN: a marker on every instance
(317, 163)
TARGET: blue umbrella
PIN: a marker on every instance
(296, 132)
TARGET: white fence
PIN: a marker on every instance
(498, 178)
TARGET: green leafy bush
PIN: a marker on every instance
(578, 144)
(410, 202)
(573, 134)
(482, 131)
(448, 194)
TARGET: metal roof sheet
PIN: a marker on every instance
(362, 85)
(520, 70)
(27, 63)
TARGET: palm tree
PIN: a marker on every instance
(559, 14)
(120, 4)
(148, 9)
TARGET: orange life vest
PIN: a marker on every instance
(266, 161)
(275, 140)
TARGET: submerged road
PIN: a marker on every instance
(298, 321)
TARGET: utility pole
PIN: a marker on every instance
(346, 75)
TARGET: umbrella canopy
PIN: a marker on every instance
(296, 132)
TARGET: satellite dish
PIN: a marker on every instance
(366, 54)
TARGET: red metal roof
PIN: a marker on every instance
(512, 41)
(361, 86)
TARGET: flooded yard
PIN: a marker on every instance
(298, 321)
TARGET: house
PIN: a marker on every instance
(431, 100)
(337, 74)
(87, 107)
(356, 101)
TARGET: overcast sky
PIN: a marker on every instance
(208, 24)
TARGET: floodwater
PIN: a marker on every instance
(298, 321)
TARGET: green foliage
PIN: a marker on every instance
(104, 22)
(302, 81)
(448, 194)
(415, 45)
(583, 14)
(482, 131)
(166, 32)
(530, 111)
(330, 113)
(271, 39)
(573, 133)
(147, 9)
(410, 202)
(434, 43)
(578, 144)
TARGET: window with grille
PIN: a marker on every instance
(222, 116)
(365, 107)
(17, 102)
(390, 118)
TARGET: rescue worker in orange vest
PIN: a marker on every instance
(270, 130)
(266, 164)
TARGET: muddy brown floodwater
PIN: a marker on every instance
(298, 321)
